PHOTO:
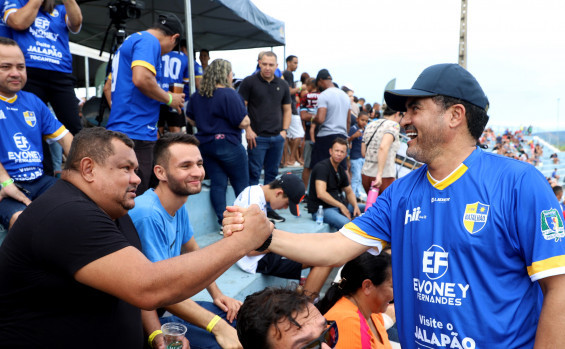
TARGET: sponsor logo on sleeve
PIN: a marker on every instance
(475, 217)
(552, 225)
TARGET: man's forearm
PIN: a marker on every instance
(25, 16)
(319, 249)
(550, 332)
(190, 311)
(328, 199)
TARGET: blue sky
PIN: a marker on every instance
(516, 49)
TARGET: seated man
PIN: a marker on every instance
(165, 232)
(328, 181)
(285, 191)
(73, 259)
(24, 121)
(281, 319)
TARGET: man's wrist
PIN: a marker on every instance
(6, 183)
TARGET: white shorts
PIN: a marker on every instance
(295, 130)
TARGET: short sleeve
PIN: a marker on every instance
(322, 100)
(374, 226)
(286, 96)
(144, 54)
(245, 88)
(540, 234)
(234, 108)
(51, 129)
(9, 7)
(154, 243)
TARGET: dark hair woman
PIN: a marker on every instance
(220, 114)
(357, 301)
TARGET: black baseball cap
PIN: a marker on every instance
(294, 189)
(171, 22)
(323, 74)
(446, 79)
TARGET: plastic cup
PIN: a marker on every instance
(176, 87)
(173, 333)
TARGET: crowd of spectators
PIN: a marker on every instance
(345, 145)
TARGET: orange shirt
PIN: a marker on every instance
(354, 331)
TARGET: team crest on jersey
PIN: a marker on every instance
(552, 225)
(30, 119)
(475, 217)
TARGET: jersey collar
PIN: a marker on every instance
(455, 175)
(9, 100)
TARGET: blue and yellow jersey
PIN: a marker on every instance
(467, 251)
(24, 121)
(45, 43)
(174, 70)
(133, 113)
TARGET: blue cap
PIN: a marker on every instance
(450, 80)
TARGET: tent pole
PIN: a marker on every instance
(284, 57)
(86, 76)
(189, 45)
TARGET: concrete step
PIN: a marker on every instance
(235, 282)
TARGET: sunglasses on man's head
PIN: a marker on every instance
(329, 336)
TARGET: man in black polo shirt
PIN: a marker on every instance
(327, 184)
(267, 98)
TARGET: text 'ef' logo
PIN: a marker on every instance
(21, 142)
(435, 262)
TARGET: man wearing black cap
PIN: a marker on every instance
(285, 191)
(136, 95)
(471, 232)
(333, 116)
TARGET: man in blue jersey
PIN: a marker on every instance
(136, 95)
(174, 71)
(24, 121)
(470, 231)
(162, 222)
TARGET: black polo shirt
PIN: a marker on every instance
(264, 103)
(335, 182)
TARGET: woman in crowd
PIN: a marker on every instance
(41, 28)
(220, 115)
(380, 145)
(357, 301)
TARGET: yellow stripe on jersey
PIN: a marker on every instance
(355, 229)
(9, 100)
(55, 134)
(145, 65)
(446, 182)
(546, 264)
(8, 13)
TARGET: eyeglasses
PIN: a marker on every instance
(329, 336)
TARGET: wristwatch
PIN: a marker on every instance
(266, 244)
(285, 130)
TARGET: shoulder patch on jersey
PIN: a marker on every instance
(475, 217)
(30, 118)
(552, 225)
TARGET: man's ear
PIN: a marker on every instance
(87, 169)
(160, 173)
(279, 192)
(457, 115)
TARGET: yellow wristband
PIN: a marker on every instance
(170, 99)
(213, 323)
(152, 337)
